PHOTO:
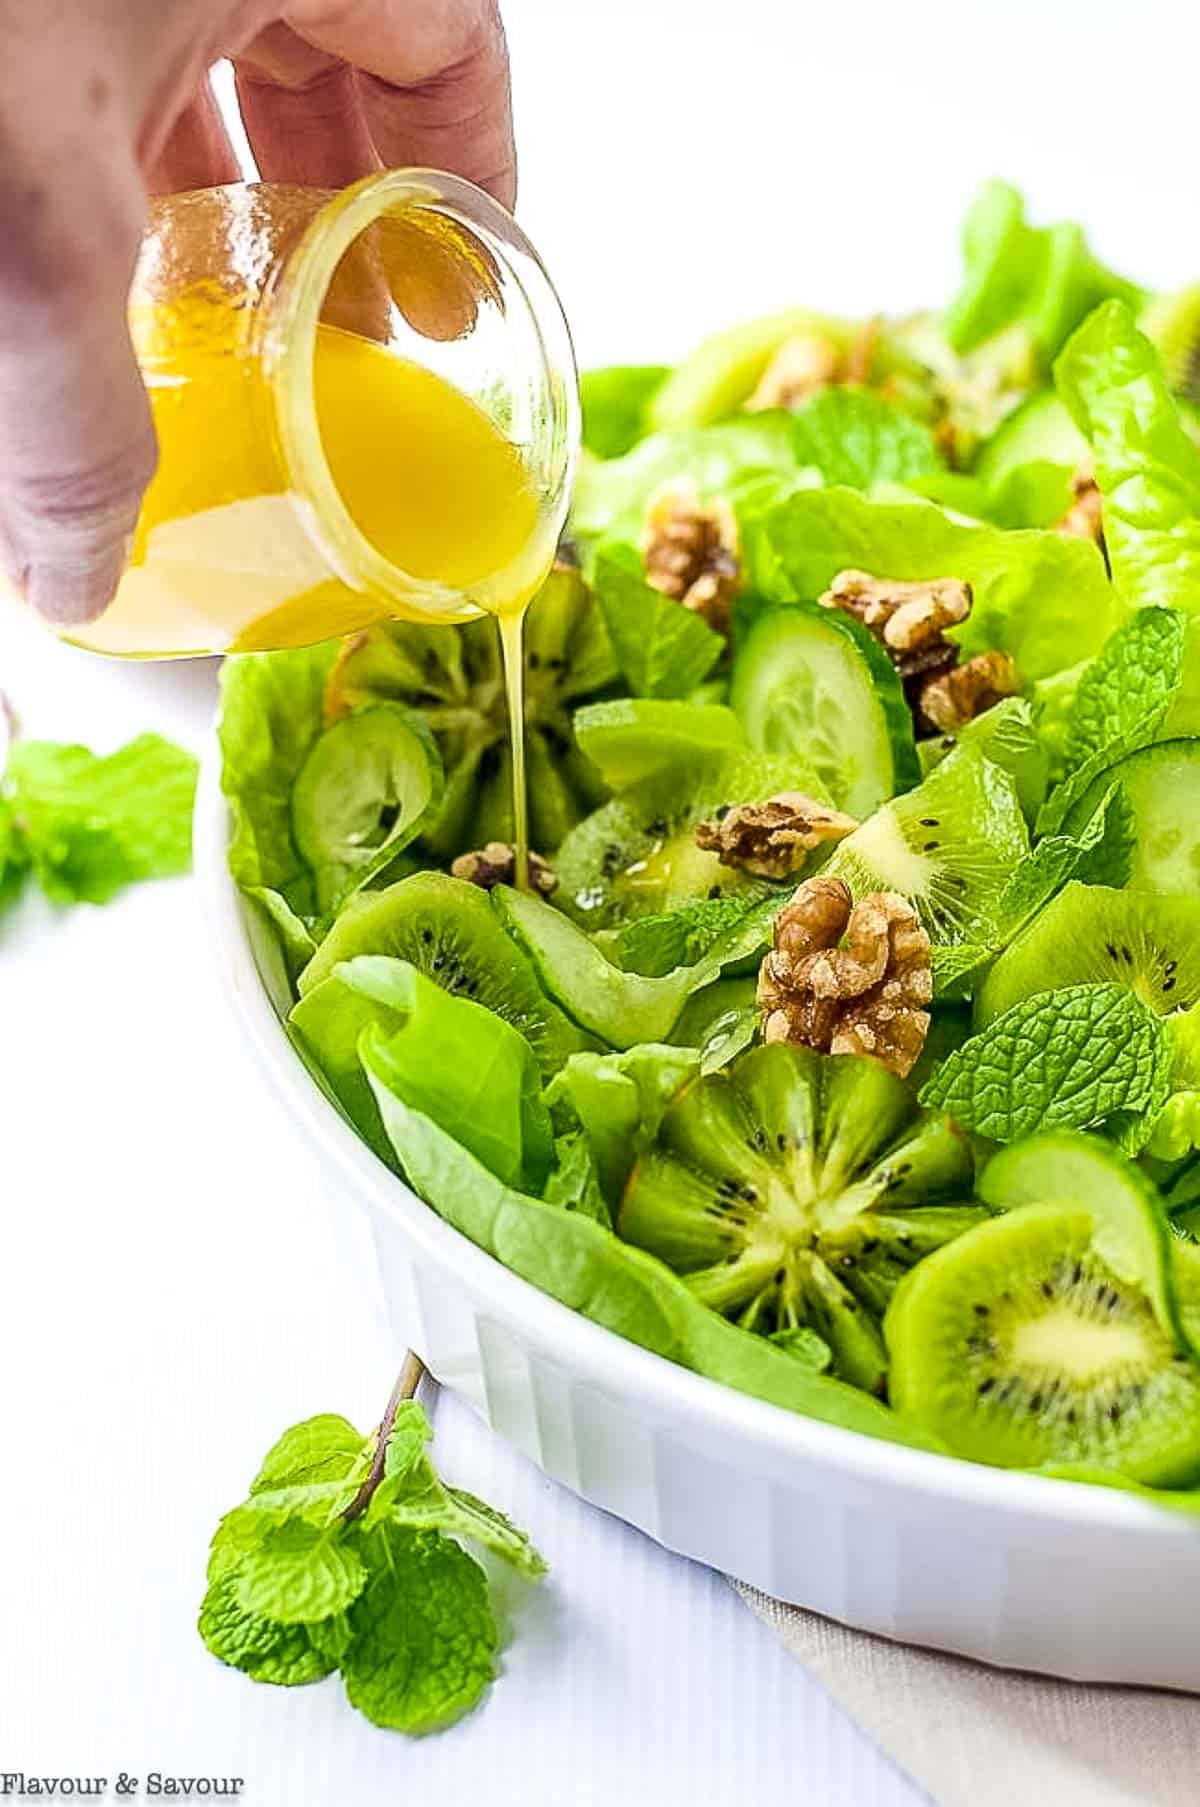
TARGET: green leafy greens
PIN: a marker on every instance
(86, 826)
(345, 1556)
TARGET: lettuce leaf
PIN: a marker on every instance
(586, 1267)
(459, 1062)
(618, 1101)
(272, 711)
(1147, 465)
(1042, 597)
(616, 404)
(731, 459)
(1043, 279)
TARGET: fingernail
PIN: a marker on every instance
(69, 594)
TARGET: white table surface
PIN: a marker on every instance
(173, 1286)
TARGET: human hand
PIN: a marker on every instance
(100, 105)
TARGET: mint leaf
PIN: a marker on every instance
(424, 1638)
(661, 647)
(266, 1651)
(89, 826)
(653, 945)
(1121, 702)
(324, 1448)
(1061, 1059)
(854, 437)
(342, 1557)
(1132, 681)
(299, 1573)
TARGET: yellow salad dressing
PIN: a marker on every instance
(222, 560)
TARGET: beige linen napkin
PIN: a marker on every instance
(977, 1737)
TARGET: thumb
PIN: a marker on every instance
(76, 440)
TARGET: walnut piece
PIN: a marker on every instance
(772, 839)
(690, 550)
(802, 365)
(959, 695)
(904, 616)
(1084, 519)
(496, 864)
(868, 996)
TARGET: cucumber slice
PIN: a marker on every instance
(811, 681)
(638, 737)
(1162, 787)
(1052, 1333)
(364, 791)
(1130, 1231)
(622, 1008)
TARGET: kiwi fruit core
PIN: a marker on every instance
(794, 1189)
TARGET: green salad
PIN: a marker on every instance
(844, 1043)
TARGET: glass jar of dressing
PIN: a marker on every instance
(366, 406)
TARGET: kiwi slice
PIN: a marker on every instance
(449, 931)
(796, 1189)
(453, 677)
(1161, 784)
(1050, 1334)
(1007, 735)
(637, 855)
(1090, 934)
(1172, 323)
(948, 845)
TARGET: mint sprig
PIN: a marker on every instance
(344, 1557)
(1069, 1058)
(1123, 700)
(85, 826)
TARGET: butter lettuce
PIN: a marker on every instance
(1042, 597)
(585, 1266)
(1147, 465)
(616, 403)
(1044, 280)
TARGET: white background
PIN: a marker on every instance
(173, 1287)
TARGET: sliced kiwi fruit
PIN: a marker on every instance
(449, 931)
(1052, 1334)
(453, 677)
(1171, 322)
(796, 1189)
(637, 855)
(1090, 934)
(1161, 785)
(947, 846)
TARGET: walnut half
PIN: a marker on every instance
(956, 697)
(772, 839)
(496, 864)
(690, 549)
(904, 616)
(848, 978)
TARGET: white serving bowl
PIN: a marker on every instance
(1009, 1568)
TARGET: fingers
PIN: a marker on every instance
(433, 80)
(197, 153)
(302, 112)
(76, 441)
